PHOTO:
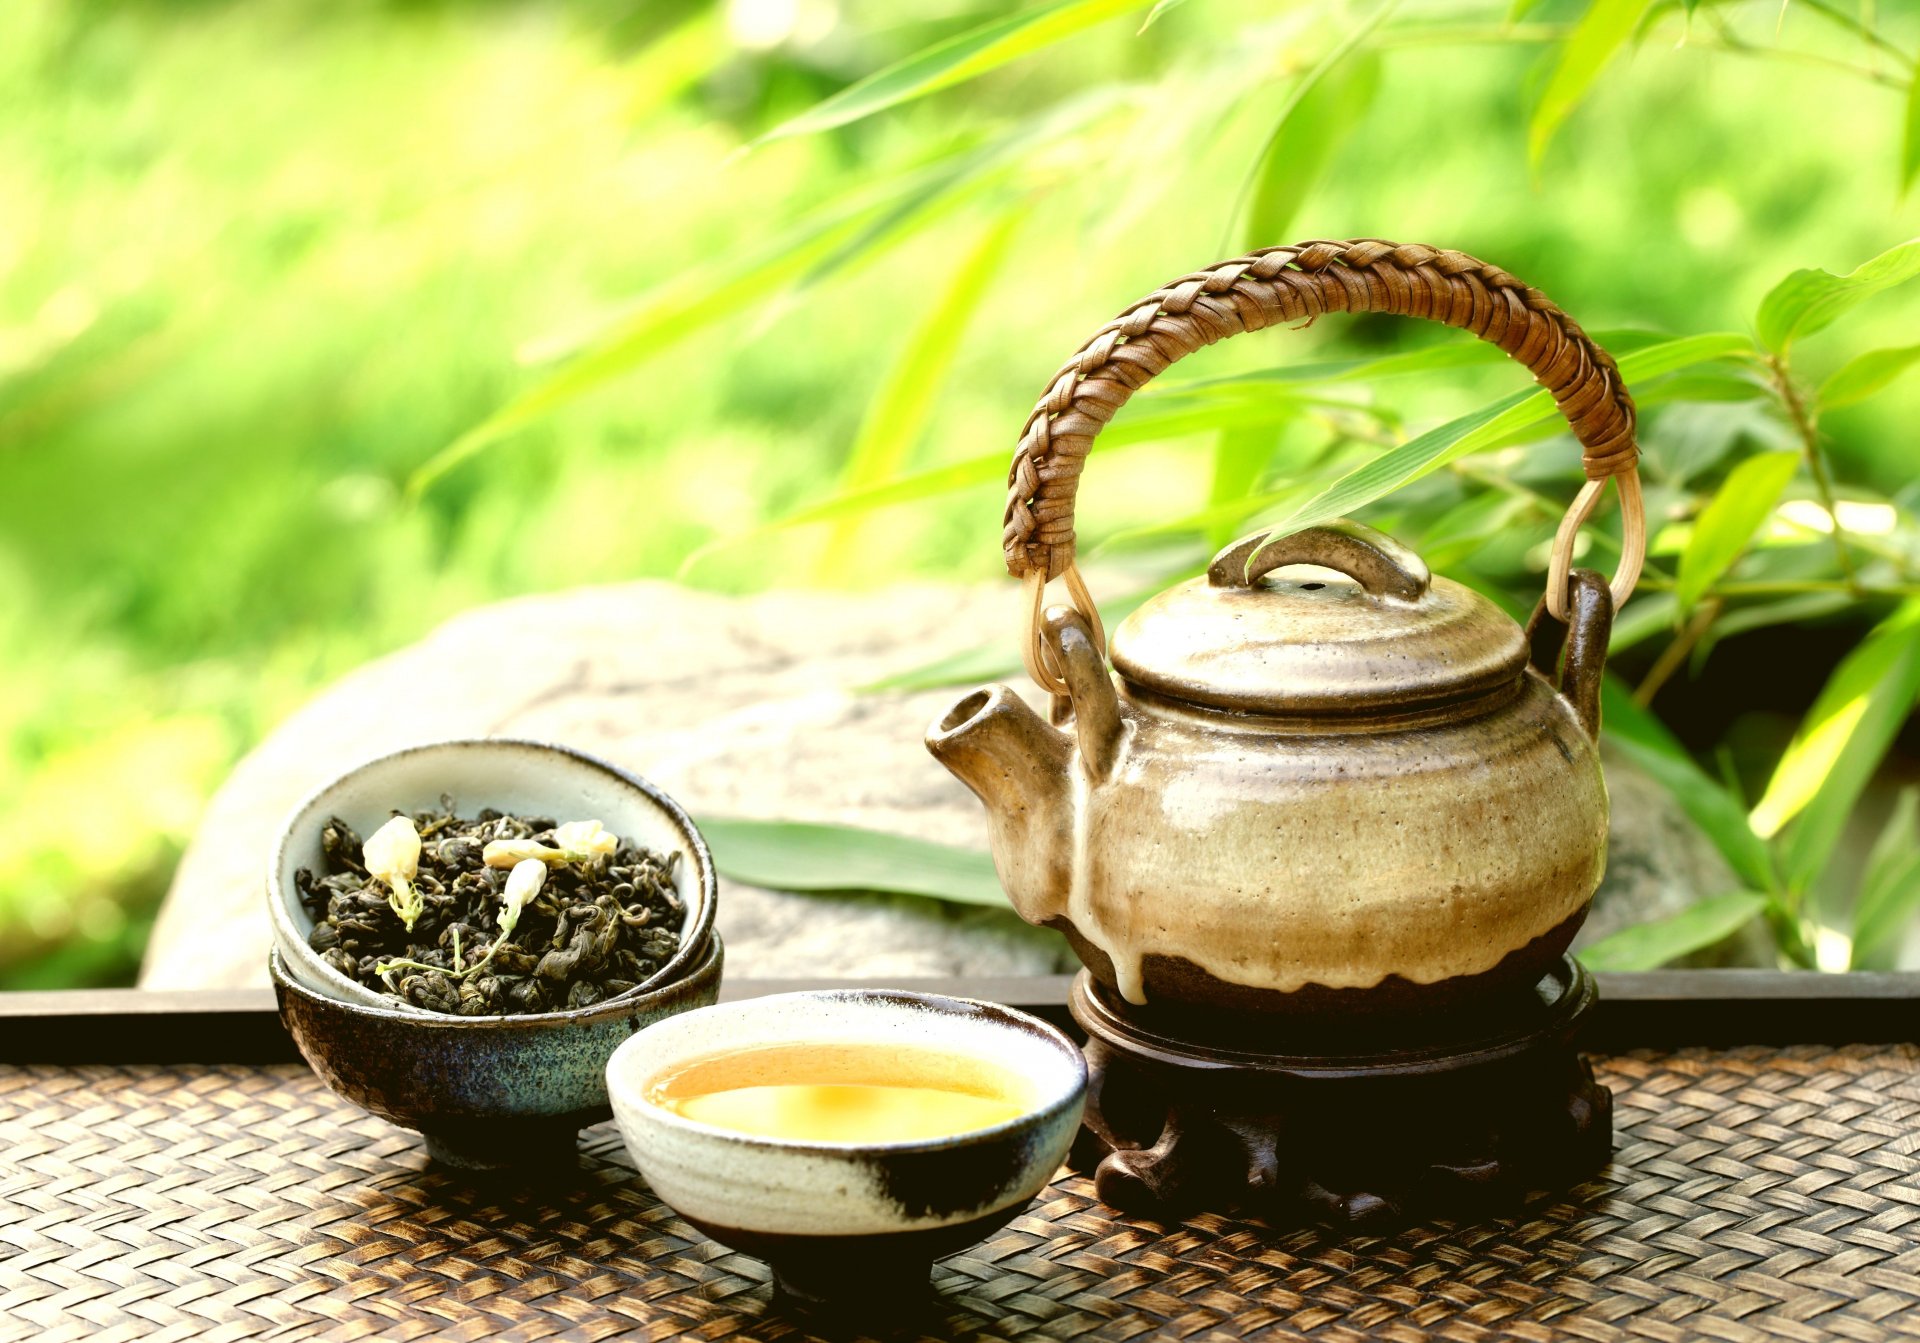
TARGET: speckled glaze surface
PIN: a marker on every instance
(486, 1091)
(528, 778)
(808, 1207)
(1344, 782)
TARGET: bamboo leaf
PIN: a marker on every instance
(1270, 167)
(1169, 418)
(1706, 385)
(902, 406)
(1153, 15)
(1812, 300)
(1648, 946)
(1230, 516)
(1644, 617)
(1155, 419)
(1455, 352)
(800, 856)
(1240, 458)
(1841, 742)
(1464, 530)
(1670, 356)
(952, 61)
(969, 666)
(1697, 435)
(971, 472)
(1795, 610)
(1451, 354)
(1889, 893)
(936, 189)
(660, 320)
(1485, 428)
(1419, 456)
(1644, 740)
(1311, 129)
(1600, 33)
(997, 662)
(1728, 522)
(1865, 375)
(832, 239)
(1910, 142)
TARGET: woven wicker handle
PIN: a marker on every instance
(1295, 285)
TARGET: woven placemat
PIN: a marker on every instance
(1755, 1194)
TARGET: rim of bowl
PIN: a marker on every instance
(570, 1016)
(1009, 1018)
(696, 926)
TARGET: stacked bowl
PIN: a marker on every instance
(485, 1091)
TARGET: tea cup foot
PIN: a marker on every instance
(859, 1290)
(505, 1145)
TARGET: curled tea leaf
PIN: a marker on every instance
(484, 932)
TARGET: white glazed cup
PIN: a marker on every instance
(844, 1220)
(526, 778)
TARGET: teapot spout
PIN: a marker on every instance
(1020, 768)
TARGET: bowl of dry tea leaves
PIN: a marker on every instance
(464, 931)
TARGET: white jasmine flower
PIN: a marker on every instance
(583, 841)
(513, 852)
(523, 883)
(393, 850)
(579, 841)
(392, 855)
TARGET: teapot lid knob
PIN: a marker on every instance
(1380, 564)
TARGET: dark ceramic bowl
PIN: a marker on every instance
(526, 778)
(487, 1092)
(851, 1223)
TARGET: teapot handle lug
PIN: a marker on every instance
(1093, 703)
(1573, 656)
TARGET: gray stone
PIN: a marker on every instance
(738, 707)
(1658, 863)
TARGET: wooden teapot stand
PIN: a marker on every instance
(1353, 1123)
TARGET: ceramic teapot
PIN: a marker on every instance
(1354, 787)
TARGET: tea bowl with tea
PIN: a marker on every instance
(454, 957)
(849, 1138)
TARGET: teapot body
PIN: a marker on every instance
(1387, 863)
(1363, 787)
(1353, 791)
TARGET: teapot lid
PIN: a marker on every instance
(1379, 633)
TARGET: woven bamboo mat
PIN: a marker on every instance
(1755, 1194)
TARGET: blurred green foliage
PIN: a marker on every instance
(319, 322)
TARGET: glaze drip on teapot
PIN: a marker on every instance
(1294, 786)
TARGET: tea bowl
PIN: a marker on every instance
(526, 778)
(850, 1224)
(490, 1092)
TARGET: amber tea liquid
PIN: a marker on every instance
(844, 1092)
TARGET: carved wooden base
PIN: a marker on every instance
(1351, 1123)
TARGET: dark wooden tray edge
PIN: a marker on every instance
(1661, 1009)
